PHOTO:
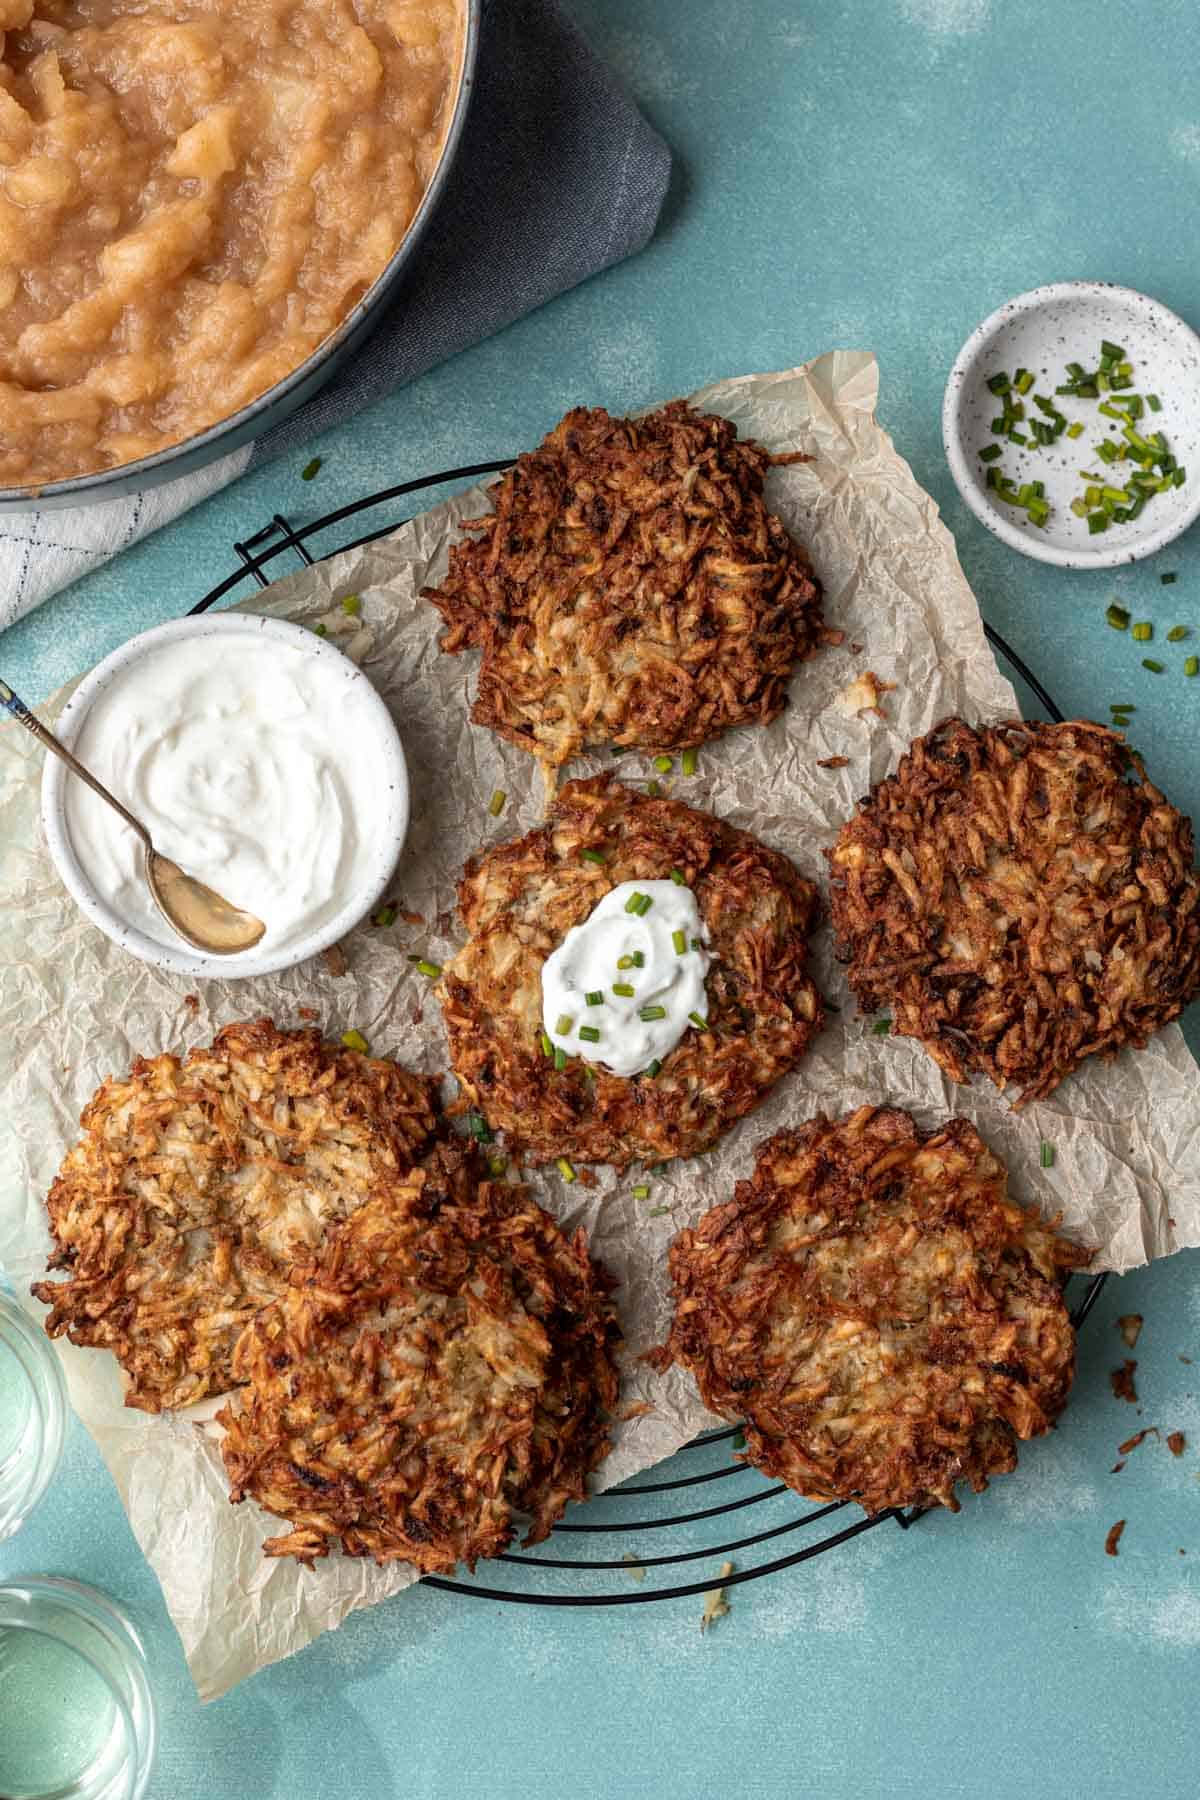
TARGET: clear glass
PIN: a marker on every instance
(76, 1713)
(33, 1415)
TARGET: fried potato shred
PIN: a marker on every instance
(519, 901)
(196, 1184)
(884, 1318)
(1020, 897)
(631, 588)
(442, 1363)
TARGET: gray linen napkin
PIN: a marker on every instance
(558, 176)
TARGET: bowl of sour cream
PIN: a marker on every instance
(259, 758)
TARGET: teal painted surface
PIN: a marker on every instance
(878, 175)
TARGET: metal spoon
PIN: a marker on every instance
(196, 912)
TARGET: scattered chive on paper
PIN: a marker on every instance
(642, 1191)
(657, 1212)
(653, 791)
(352, 606)
(430, 969)
(664, 764)
(688, 761)
(321, 630)
(566, 1169)
(354, 1040)
(882, 1027)
(592, 856)
(1047, 1155)
(496, 803)
(384, 917)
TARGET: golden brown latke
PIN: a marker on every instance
(631, 588)
(518, 903)
(196, 1184)
(444, 1361)
(883, 1317)
(1020, 897)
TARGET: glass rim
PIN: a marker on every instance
(131, 1696)
(37, 1357)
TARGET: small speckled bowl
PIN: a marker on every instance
(1042, 331)
(381, 763)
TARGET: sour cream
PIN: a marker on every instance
(249, 760)
(616, 948)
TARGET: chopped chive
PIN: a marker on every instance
(1155, 668)
(1076, 371)
(649, 1013)
(1192, 666)
(1169, 579)
(1047, 1155)
(1097, 521)
(431, 969)
(354, 1040)
(1124, 706)
(1178, 477)
(626, 989)
(657, 1212)
(645, 902)
(479, 1128)
(1118, 496)
(1113, 351)
(688, 761)
(496, 803)
(1142, 632)
(1153, 402)
(384, 917)
(696, 944)
(999, 427)
(999, 383)
(678, 877)
(321, 630)
(563, 1024)
(652, 1068)
(352, 606)
(634, 902)
(1079, 507)
(1023, 381)
(653, 791)
(698, 1022)
(566, 1169)
(589, 1034)
(1017, 437)
(560, 1057)
(664, 764)
(882, 1027)
(642, 1191)
(1076, 429)
(679, 940)
(1177, 634)
(592, 856)
(310, 469)
(547, 1046)
(594, 997)
(497, 1165)
(990, 452)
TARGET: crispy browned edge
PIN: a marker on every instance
(631, 541)
(1038, 1008)
(107, 1237)
(723, 1314)
(763, 1008)
(447, 1229)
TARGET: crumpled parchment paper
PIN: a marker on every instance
(73, 1008)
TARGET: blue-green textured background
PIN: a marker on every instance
(878, 174)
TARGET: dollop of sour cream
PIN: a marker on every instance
(625, 961)
(235, 753)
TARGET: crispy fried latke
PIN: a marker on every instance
(196, 1184)
(1020, 897)
(518, 903)
(883, 1317)
(631, 588)
(444, 1361)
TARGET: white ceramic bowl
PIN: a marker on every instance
(381, 762)
(1042, 331)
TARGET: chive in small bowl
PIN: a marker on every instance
(1033, 454)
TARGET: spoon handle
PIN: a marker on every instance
(14, 704)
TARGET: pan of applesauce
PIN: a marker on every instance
(205, 205)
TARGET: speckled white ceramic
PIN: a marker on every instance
(380, 762)
(1042, 331)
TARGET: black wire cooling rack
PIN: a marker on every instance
(551, 1575)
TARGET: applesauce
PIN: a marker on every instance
(193, 195)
